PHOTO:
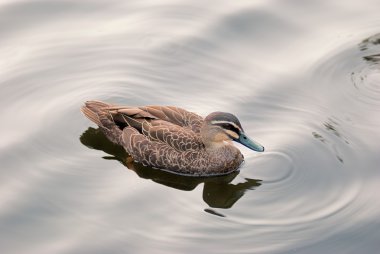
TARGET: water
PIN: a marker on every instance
(302, 76)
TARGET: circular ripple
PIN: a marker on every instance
(277, 166)
(351, 74)
(367, 83)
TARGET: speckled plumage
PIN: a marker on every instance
(169, 138)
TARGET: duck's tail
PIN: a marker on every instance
(98, 112)
(93, 111)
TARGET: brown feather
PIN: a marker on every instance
(91, 115)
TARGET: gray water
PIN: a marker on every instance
(302, 76)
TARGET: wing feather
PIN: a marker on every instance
(171, 126)
(177, 116)
(178, 138)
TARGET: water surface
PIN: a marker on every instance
(302, 76)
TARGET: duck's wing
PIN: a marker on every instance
(175, 136)
(176, 116)
(172, 126)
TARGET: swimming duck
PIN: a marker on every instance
(174, 139)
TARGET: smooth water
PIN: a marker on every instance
(302, 76)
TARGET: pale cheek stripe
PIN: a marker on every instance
(232, 134)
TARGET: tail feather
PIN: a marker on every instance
(91, 115)
(93, 109)
(98, 112)
(97, 105)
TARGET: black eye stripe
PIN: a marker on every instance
(228, 126)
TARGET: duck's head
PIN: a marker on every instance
(219, 127)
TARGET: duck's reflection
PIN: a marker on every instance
(218, 192)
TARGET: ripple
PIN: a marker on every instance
(367, 83)
(360, 65)
(367, 79)
(293, 177)
(276, 166)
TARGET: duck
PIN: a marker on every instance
(173, 139)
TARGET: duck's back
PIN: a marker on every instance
(156, 122)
